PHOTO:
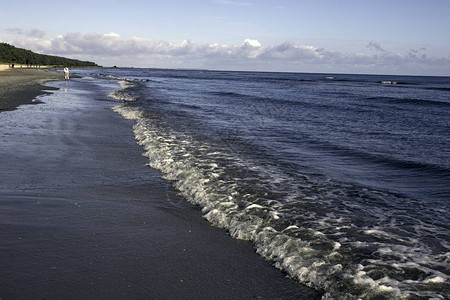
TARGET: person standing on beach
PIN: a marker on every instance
(66, 74)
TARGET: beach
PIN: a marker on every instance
(20, 85)
(82, 216)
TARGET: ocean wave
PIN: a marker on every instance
(123, 94)
(409, 101)
(122, 78)
(345, 240)
(441, 89)
(128, 112)
(420, 167)
(336, 238)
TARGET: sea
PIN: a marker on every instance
(341, 181)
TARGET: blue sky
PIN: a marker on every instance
(346, 36)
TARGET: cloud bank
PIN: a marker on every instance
(112, 49)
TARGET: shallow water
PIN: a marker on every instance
(343, 183)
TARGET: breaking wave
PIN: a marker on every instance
(348, 241)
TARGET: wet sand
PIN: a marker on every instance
(21, 86)
(83, 217)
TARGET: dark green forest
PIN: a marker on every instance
(12, 55)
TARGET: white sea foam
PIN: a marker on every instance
(123, 94)
(128, 113)
(436, 279)
(125, 84)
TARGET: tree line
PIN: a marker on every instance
(12, 55)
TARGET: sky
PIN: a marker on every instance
(409, 37)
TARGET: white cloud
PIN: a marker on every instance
(289, 51)
(112, 34)
(252, 43)
(112, 49)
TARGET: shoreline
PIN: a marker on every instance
(21, 86)
(83, 216)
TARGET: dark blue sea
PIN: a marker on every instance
(342, 181)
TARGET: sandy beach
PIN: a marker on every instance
(83, 217)
(20, 86)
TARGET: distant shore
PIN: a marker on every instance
(22, 85)
(21, 66)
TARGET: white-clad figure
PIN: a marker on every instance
(66, 74)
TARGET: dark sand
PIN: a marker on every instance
(83, 217)
(21, 86)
